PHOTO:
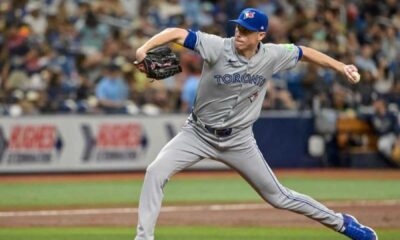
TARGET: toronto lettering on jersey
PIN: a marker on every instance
(237, 78)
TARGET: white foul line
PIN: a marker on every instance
(198, 208)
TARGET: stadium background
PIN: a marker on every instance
(60, 117)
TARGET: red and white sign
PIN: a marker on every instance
(119, 136)
(33, 137)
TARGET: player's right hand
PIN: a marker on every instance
(348, 71)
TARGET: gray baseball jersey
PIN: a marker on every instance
(232, 88)
(229, 97)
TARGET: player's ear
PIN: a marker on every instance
(261, 35)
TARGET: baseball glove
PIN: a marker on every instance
(160, 63)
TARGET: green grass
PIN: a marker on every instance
(196, 190)
(216, 190)
(181, 233)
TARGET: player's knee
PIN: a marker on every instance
(150, 169)
(156, 173)
(156, 165)
(276, 203)
(278, 200)
(153, 171)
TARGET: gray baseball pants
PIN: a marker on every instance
(192, 145)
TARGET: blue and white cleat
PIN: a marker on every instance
(356, 231)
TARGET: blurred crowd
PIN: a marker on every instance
(75, 56)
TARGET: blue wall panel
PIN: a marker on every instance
(284, 141)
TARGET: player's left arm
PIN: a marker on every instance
(316, 57)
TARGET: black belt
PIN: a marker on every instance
(219, 132)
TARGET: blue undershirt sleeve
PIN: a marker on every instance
(190, 41)
(300, 53)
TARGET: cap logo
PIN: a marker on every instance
(249, 14)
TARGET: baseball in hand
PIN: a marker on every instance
(356, 76)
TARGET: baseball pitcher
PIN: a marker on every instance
(229, 99)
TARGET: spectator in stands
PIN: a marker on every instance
(315, 89)
(277, 97)
(190, 88)
(365, 62)
(36, 20)
(84, 92)
(112, 91)
(365, 89)
(386, 126)
(80, 36)
(57, 92)
(93, 34)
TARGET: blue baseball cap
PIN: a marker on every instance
(253, 20)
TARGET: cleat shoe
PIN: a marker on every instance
(356, 231)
